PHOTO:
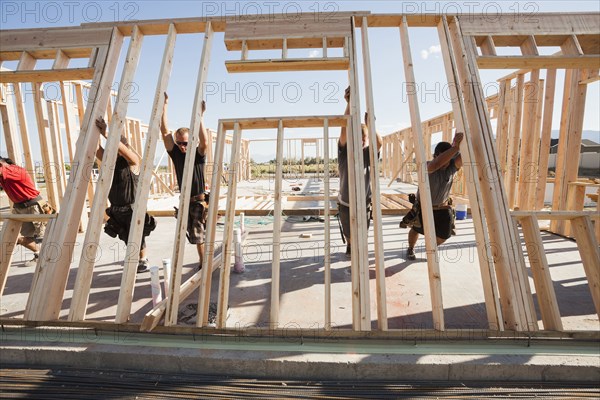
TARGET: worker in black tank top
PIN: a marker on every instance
(177, 147)
(124, 184)
(122, 196)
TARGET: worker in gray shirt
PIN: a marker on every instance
(343, 196)
(441, 170)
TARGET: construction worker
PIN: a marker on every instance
(343, 196)
(176, 148)
(122, 196)
(20, 189)
(441, 171)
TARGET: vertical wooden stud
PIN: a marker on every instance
(435, 283)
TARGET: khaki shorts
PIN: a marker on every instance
(32, 230)
(196, 222)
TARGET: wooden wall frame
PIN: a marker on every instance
(468, 45)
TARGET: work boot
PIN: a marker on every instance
(33, 262)
(410, 254)
(142, 265)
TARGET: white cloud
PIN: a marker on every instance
(314, 53)
(432, 50)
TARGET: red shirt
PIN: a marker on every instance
(17, 183)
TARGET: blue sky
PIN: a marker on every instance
(297, 93)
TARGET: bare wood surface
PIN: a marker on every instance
(538, 262)
(435, 283)
(85, 270)
(289, 64)
(374, 158)
(186, 180)
(146, 173)
(486, 258)
(8, 240)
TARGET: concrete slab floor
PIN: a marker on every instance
(302, 275)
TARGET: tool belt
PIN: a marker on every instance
(200, 197)
(44, 205)
(447, 205)
(28, 203)
(417, 207)
(202, 200)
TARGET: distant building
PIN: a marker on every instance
(587, 146)
(589, 157)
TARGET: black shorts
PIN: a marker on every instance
(119, 223)
(443, 221)
(196, 227)
(344, 215)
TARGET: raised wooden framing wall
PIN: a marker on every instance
(239, 125)
(467, 43)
